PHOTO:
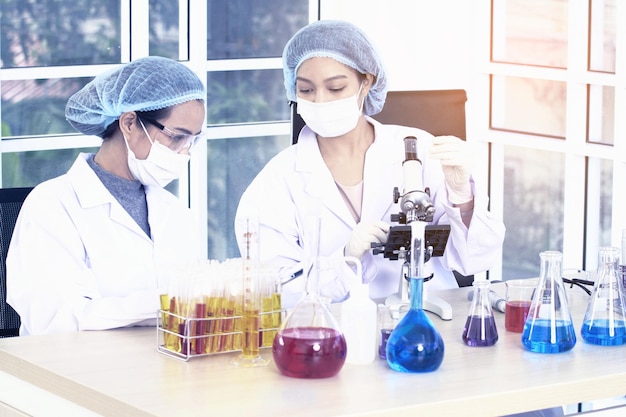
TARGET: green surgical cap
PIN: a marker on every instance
(343, 42)
(145, 84)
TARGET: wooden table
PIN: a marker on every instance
(120, 373)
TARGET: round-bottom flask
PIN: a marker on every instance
(309, 344)
(548, 327)
(604, 323)
(480, 327)
(415, 345)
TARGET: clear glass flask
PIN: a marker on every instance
(415, 345)
(604, 323)
(309, 343)
(480, 327)
(549, 327)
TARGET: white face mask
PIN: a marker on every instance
(332, 118)
(161, 167)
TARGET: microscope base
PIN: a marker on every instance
(438, 306)
(432, 304)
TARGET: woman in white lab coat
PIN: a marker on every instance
(89, 246)
(344, 169)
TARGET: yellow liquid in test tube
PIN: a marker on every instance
(220, 325)
(172, 341)
(229, 324)
(267, 321)
(165, 307)
(212, 328)
(238, 329)
(277, 315)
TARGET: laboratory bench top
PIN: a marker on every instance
(121, 373)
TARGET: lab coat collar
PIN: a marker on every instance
(379, 161)
(90, 193)
(89, 189)
(319, 185)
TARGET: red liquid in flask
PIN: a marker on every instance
(309, 352)
(515, 315)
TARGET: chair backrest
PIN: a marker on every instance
(439, 112)
(11, 200)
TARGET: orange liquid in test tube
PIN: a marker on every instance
(200, 328)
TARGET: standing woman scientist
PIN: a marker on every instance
(345, 166)
(88, 245)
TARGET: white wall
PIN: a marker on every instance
(425, 44)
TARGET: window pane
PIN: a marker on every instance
(59, 32)
(37, 107)
(533, 208)
(601, 114)
(27, 169)
(252, 29)
(232, 165)
(246, 96)
(532, 32)
(528, 105)
(599, 208)
(164, 29)
(602, 38)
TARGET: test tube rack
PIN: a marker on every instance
(188, 337)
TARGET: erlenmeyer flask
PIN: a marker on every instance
(604, 323)
(309, 343)
(480, 327)
(548, 327)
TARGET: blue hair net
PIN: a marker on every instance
(343, 42)
(145, 84)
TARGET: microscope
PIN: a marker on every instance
(413, 240)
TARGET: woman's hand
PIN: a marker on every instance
(456, 161)
(363, 235)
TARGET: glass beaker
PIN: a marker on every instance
(519, 294)
(604, 323)
(309, 343)
(480, 327)
(388, 319)
(548, 327)
(415, 345)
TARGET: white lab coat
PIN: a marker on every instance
(78, 261)
(296, 182)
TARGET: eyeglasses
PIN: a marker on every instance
(581, 283)
(180, 141)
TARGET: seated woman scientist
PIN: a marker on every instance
(88, 245)
(345, 167)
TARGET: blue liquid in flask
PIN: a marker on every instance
(480, 331)
(538, 337)
(604, 323)
(598, 332)
(548, 327)
(415, 345)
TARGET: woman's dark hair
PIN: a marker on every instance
(152, 115)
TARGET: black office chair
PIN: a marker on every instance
(11, 200)
(439, 112)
